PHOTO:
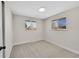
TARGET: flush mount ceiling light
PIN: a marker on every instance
(41, 9)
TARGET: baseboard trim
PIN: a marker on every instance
(10, 52)
(69, 49)
(25, 42)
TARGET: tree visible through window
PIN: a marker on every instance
(30, 25)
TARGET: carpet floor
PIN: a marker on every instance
(40, 49)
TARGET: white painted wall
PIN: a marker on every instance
(20, 36)
(66, 39)
(8, 31)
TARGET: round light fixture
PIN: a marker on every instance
(41, 9)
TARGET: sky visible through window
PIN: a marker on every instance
(62, 21)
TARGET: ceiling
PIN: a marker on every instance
(30, 8)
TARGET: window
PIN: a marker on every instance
(59, 24)
(30, 25)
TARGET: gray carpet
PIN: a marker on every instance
(40, 49)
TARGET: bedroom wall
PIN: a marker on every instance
(8, 31)
(20, 36)
(68, 39)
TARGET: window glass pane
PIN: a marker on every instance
(59, 24)
(30, 25)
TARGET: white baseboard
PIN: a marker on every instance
(25, 42)
(10, 52)
(69, 49)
